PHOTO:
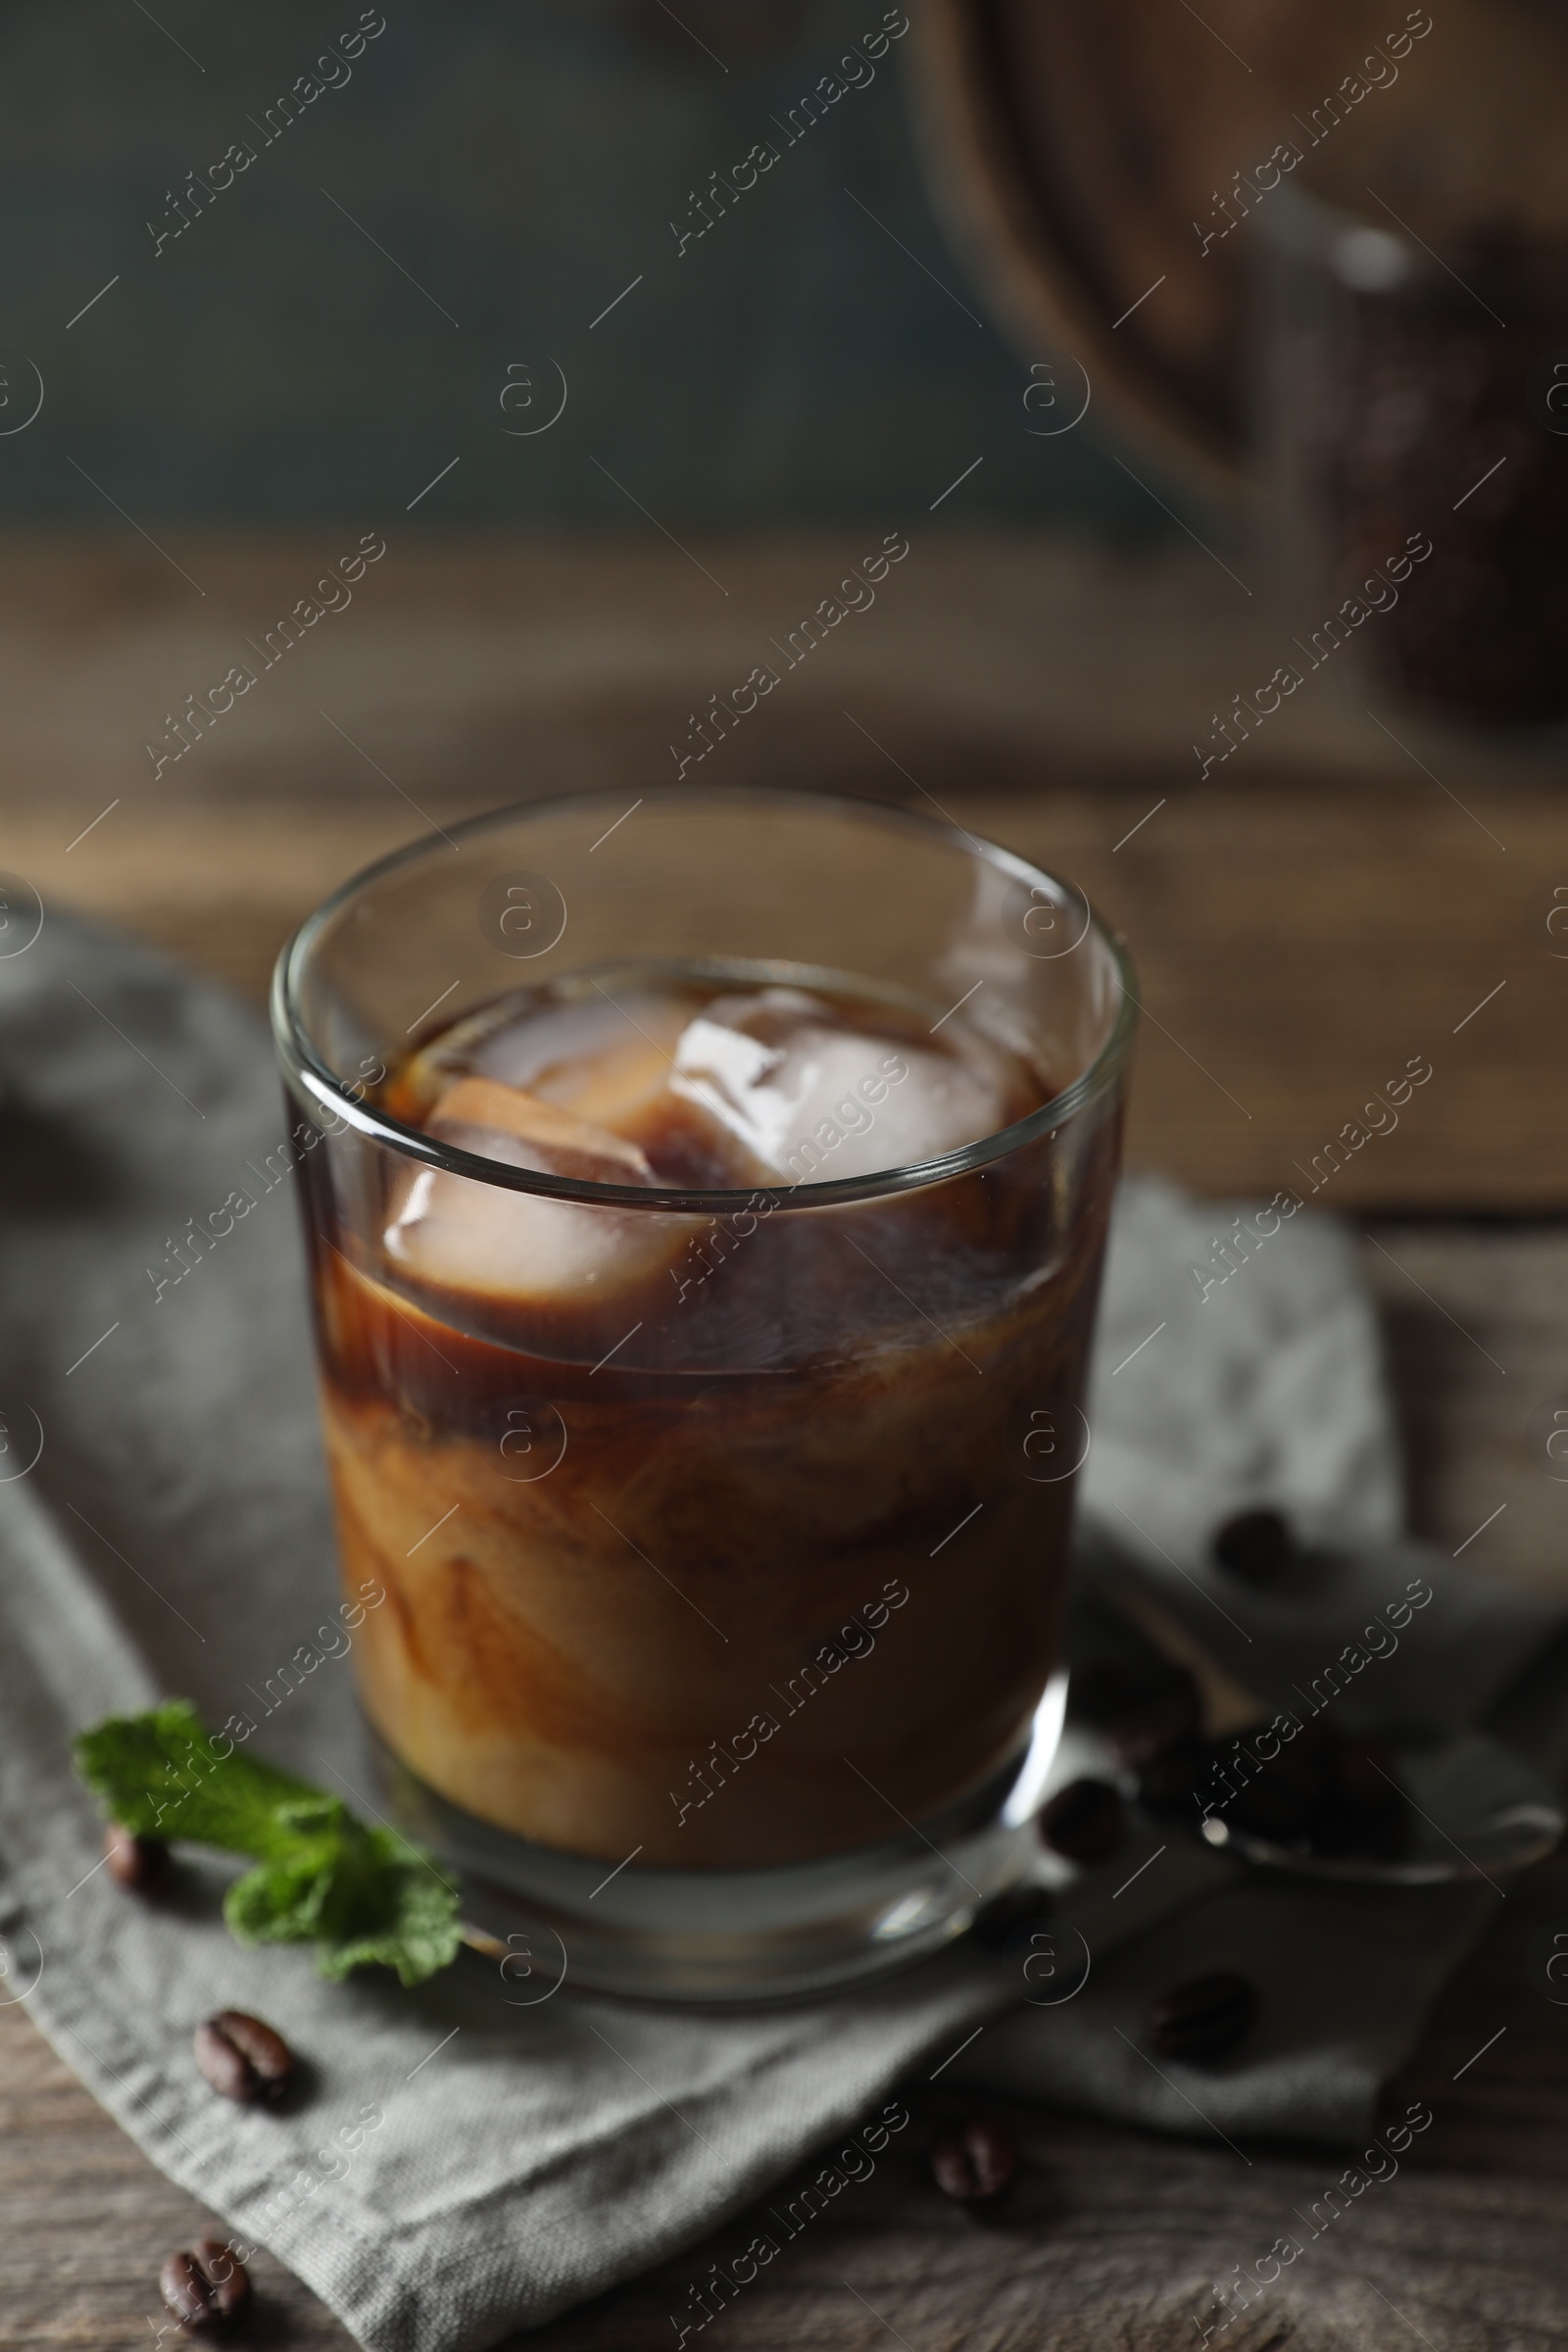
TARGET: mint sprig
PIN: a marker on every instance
(360, 1895)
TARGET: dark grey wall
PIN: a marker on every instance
(520, 163)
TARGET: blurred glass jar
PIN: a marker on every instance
(1411, 399)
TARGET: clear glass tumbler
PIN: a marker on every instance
(726, 1562)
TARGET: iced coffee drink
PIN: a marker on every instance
(705, 1536)
(704, 1247)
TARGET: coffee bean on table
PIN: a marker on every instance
(141, 1864)
(205, 2287)
(975, 2161)
(244, 2058)
(1085, 1820)
(1255, 1547)
(1204, 2018)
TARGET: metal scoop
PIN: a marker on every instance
(1477, 1809)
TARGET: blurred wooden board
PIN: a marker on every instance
(1297, 950)
(1112, 2237)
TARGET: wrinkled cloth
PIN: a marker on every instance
(476, 2154)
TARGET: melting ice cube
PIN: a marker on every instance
(507, 1123)
(816, 1102)
(495, 1242)
(605, 1057)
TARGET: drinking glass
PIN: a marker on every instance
(721, 1652)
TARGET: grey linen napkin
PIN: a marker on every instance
(480, 2153)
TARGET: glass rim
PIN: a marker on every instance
(308, 1075)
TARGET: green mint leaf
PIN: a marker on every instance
(361, 1896)
(415, 1928)
(162, 1775)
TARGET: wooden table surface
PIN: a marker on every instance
(1304, 922)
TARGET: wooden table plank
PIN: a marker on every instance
(1295, 952)
(493, 666)
(1114, 2236)
(1334, 900)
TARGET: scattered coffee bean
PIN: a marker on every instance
(205, 2287)
(1364, 1814)
(1276, 1806)
(1009, 1916)
(975, 2162)
(244, 2058)
(1281, 1798)
(1168, 1782)
(1202, 2018)
(1322, 1794)
(1255, 1547)
(1142, 1713)
(143, 1864)
(1085, 1820)
(1364, 1776)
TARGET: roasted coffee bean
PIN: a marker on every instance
(1085, 1820)
(1362, 1813)
(244, 2058)
(1275, 1797)
(1202, 2018)
(143, 1864)
(1168, 1786)
(1255, 1547)
(1321, 1795)
(1151, 1720)
(1363, 1776)
(1009, 1916)
(1281, 1799)
(975, 2162)
(206, 2287)
(1275, 1807)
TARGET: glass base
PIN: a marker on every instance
(732, 1935)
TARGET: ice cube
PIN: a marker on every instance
(603, 1057)
(816, 1103)
(507, 1123)
(494, 1243)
